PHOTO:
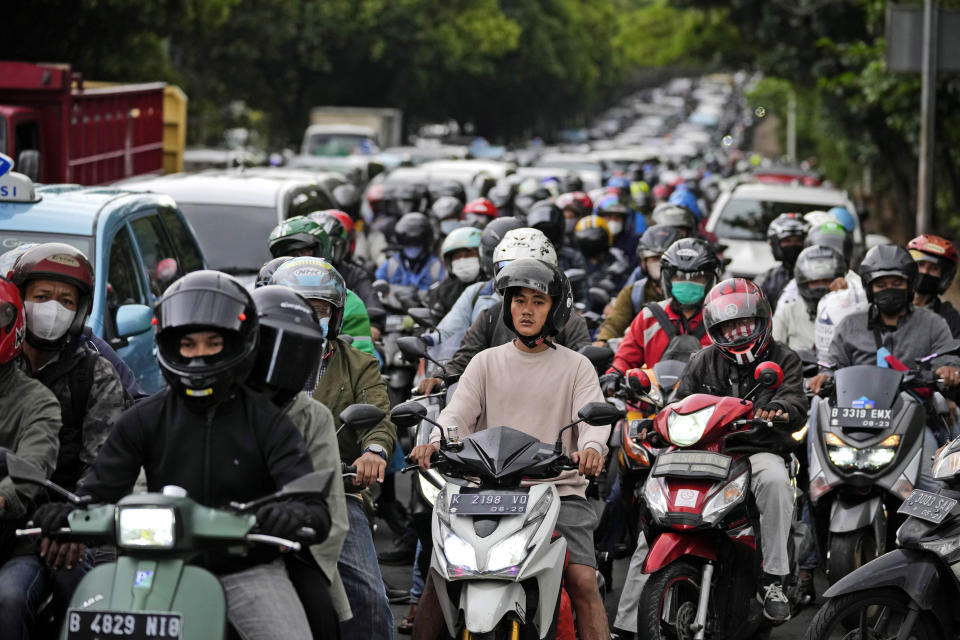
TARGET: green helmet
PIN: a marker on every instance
(297, 234)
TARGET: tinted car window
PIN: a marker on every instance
(183, 242)
(748, 219)
(233, 239)
(13, 239)
(159, 258)
(123, 285)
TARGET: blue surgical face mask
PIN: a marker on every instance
(325, 326)
(688, 292)
(412, 253)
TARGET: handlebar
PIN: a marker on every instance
(282, 543)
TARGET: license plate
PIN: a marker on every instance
(488, 504)
(692, 464)
(861, 418)
(931, 507)
(99, 625)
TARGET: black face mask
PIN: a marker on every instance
(790, 255)
(812, 298)
(890, 302)
(928, 285)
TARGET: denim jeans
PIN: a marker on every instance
(22, 588)
(362, 580)
(262, 604)
(416, 589)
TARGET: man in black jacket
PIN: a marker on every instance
(738, 318)
(219, 440)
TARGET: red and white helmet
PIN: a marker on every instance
(738, 318)
(12, 321)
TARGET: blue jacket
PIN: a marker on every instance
(396, 270)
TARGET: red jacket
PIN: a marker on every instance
(645, 341)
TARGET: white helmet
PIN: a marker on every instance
(525, 242)
(817, 218)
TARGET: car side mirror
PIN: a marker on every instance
(600, 414)
(362, 416)
(412, 347)
(408, 414)
(133, 319)
(768, 374)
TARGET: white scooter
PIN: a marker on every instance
(494, 543)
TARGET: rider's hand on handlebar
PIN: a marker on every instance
(52, 516)
(427, 385)
(370, 468)
(590, 461)
(950, 375)
(421, 454)
(771, 414)
(60, 555)
(610, 382)
(816, 382)
(283, 519)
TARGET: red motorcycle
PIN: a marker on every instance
(702, 524)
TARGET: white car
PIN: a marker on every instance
(741, 216)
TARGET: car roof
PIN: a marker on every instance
(69, 209)
(218, 187)
(791, 193)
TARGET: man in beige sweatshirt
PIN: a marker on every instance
(534, 386)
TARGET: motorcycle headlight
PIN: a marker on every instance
(844, 456)
(653, 495)
(877, 458)
(946, 466)
(729, 495)
(146, 527)
(506, 556)
(461, 557)
(686, 429)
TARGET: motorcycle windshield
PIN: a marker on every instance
(866, 387)
(668, 373)
(500, 452)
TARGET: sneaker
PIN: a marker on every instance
(776, 605)
(620, 634)
(808, 594)
(403, 552)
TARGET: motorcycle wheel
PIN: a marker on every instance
(869, 615)
(849, 551)
(668, 603)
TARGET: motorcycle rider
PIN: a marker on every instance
(786, 235)
(738, 319)
(607, 267)
(460, 253)
(574, 205)
(892, 326)
(347, 376)
(207, 335)
(622, 224)
(645, 288)
(816, 269)
(547, 217)
(414, 265)
(298, 236)
(674, 215)
(288, 352)
(29, 430)
(937, 262)
(828, 234)
(497, 388)
(445, 212)
(478, 213)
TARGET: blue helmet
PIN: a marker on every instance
(844, 217)
(619, 182)
(685, 198)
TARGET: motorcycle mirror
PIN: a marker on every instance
(575, 276)
(768, 374)
(315, 483)
(412, 347)
(24, 471)
(362, 416)
(408, 414)
(422, 316)
(638, 381)
(599, 357)
(600, 414)
(636, 426)
(598, 298)
(381, 286)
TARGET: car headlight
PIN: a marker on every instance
(506, 556)
(845, 456)
(461, 557)
(146, 527)
(729, 495)
(653, 495)
(945, 467)
(686, 429)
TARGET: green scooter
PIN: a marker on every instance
(152, 592)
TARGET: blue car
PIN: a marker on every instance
(138, 243)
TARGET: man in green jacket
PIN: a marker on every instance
(347, 376)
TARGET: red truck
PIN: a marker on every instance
(58, 130)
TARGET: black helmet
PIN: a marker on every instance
(572, 182)
(547, 217)
(449, 188)
(348, 199)
(291, 342)
(675, 215)
(889, 260)
(656, 240)
(492, 235)
(540, 276)
(206, 301)
(782, 227)
(408, 197)
(413, 229)
(268, 269)
(833, 235)
(817, 263)
(688, 255)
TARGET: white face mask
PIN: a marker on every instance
(615, 227)
(466, 269)
(48, 320)
(653, 269)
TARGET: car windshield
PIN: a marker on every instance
(13, 239)
(748, 219)
(339, 144)
(233, 238)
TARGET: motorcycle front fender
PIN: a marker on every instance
(670, 546)
(485, 602)
(916, 573)
(848, 516)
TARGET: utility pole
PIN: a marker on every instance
(928, 101)
(792, 125)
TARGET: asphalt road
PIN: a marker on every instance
(402, 576)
